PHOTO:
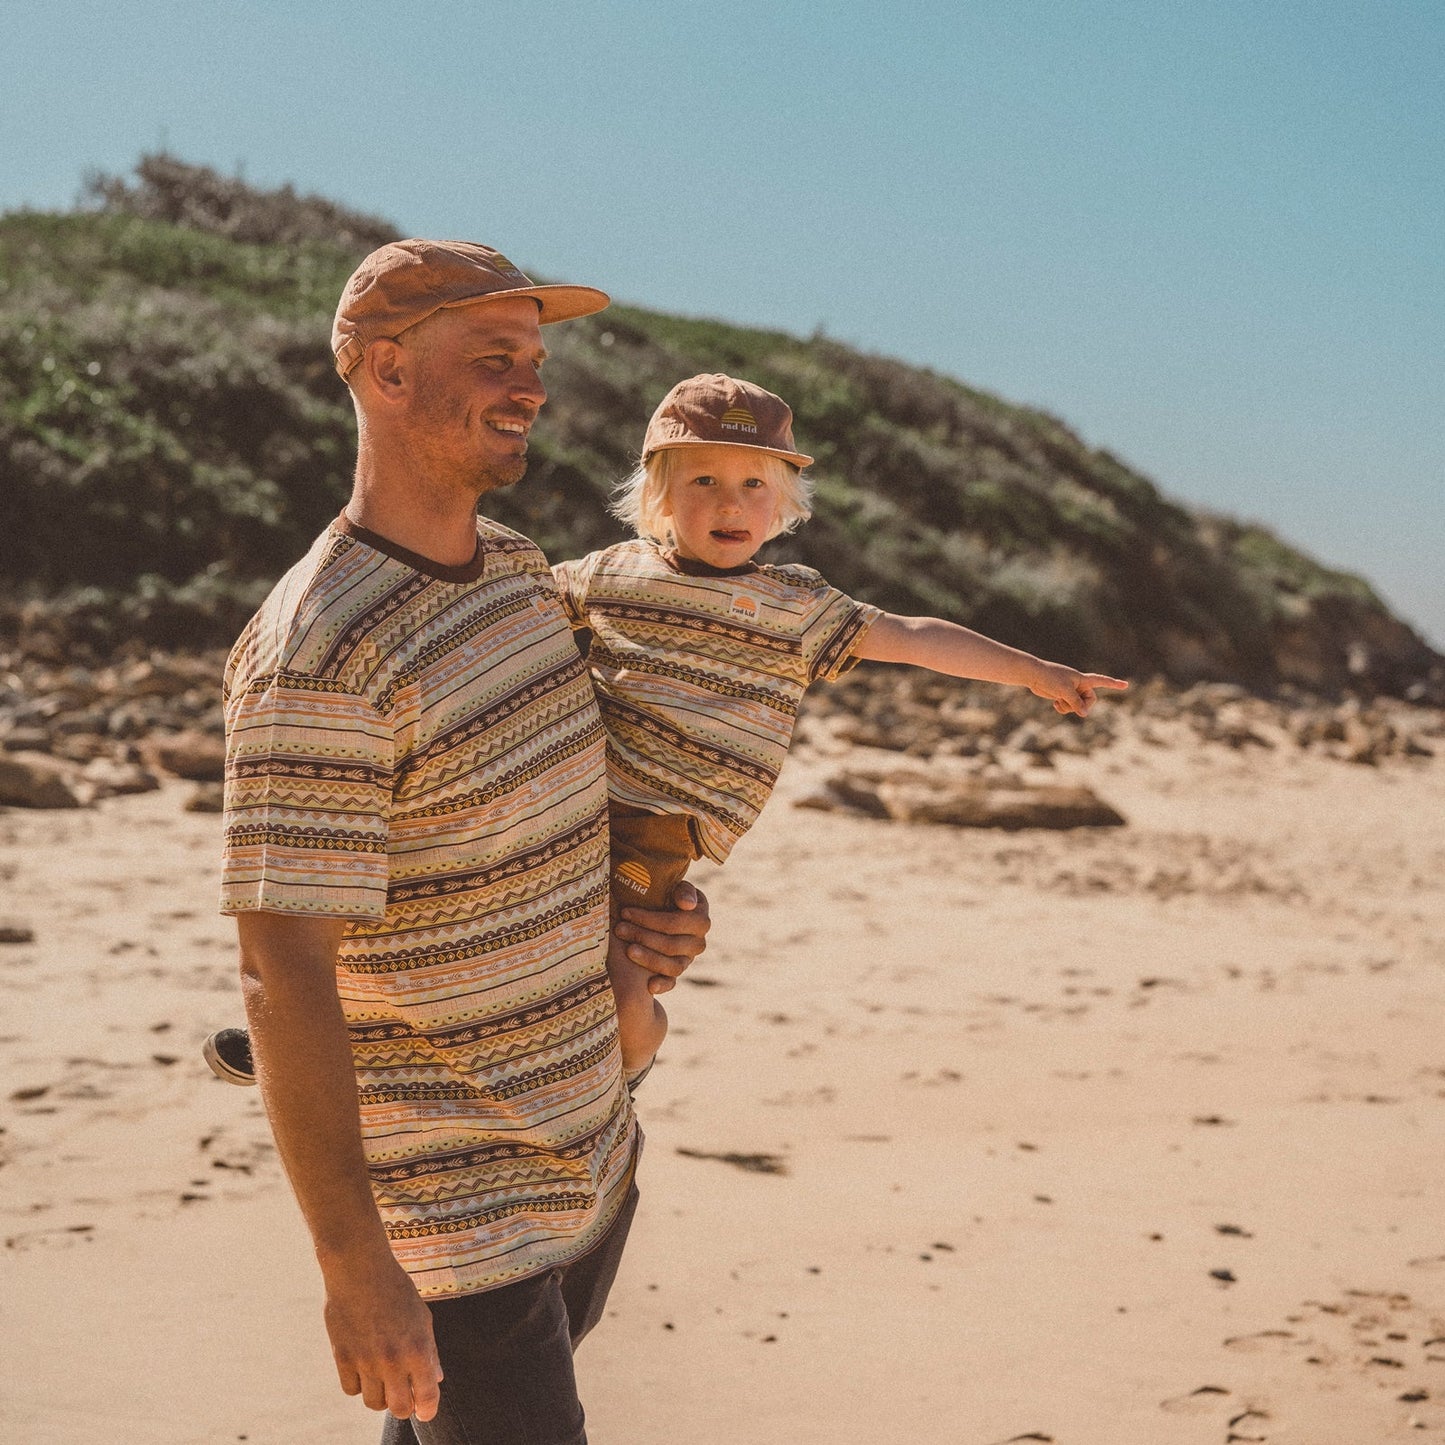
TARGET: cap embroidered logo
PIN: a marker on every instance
(738, 418)
(634, 875)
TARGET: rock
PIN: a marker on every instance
(198, 756)
(207, 798)
(36, 780)
(127, 721)
(905, 796)
(1363, 743)
(974, 806)
(112, 777)
(978, 721)
(90, 720)
(1205, 699)
(865, 732)
(1031, 739)
(155, 679)
(857, 792)
(26, 738)
(1235, 733)
(79, 747)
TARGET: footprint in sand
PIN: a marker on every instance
(62, 1236)
(751, 1163)
(1242, 1427)
(1260, 1340)
(1197, 1402)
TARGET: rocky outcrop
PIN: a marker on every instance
(70, 735)
(925, 716)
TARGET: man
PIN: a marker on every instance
(416, 857)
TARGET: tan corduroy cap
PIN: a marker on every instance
(406, 281)
(717, 410)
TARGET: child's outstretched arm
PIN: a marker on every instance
(948, 648)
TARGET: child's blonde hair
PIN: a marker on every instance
(640, 499)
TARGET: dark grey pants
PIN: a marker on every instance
(507, 1354)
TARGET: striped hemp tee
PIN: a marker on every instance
(699, 674)
(415, 749)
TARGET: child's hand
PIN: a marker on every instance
(664, 941)
(1071, 691)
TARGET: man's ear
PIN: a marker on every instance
(387, 365)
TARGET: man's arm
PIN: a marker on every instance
(380, 1330)
(665, 941)
(948, 648)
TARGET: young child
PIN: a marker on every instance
(700, 656)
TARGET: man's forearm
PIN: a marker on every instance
(380, 1330)
(304, 1068)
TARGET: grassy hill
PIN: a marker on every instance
(172, 434)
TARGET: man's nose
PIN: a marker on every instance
(528, 386)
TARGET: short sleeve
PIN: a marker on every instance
(308, 798)
(835, 627)
(572, 579)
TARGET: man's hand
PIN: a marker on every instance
(381, 1338)
(664, 941)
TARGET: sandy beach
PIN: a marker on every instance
(1124, 1136)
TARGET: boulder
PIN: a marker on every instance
(37, 780)
(906, 796)
(207, 798)
(112, 777)
(26, 739)
(199, 756)
(156, 678)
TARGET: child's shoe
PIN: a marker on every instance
(228, 1053)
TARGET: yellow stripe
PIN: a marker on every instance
(635, 873)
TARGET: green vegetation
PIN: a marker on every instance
(172, 435)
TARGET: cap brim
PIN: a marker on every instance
(798, 459)
(558, 303)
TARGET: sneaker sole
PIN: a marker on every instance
(222, 1070)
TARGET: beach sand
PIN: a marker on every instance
(1109, 1137)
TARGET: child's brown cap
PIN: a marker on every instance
(719, 411)
(407, 281)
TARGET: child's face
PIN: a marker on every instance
(721, 505)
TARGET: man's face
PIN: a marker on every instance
(478, 391)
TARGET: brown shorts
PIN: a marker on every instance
(650, 854)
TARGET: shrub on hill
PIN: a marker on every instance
(168, 189)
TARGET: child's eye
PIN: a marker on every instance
(755, 482)
(702, 481)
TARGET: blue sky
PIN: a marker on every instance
(1207, 236)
